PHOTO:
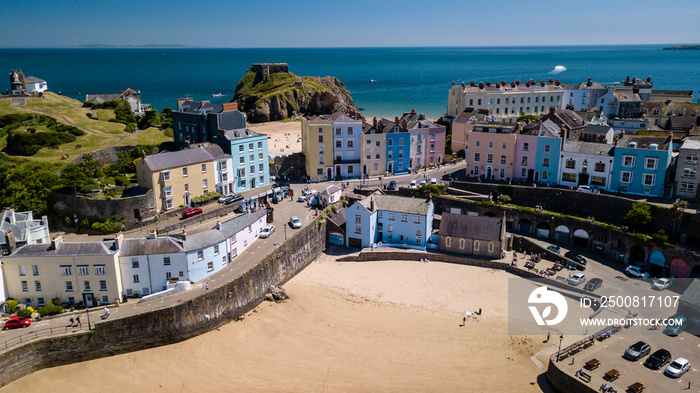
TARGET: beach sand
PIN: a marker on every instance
(354, 327)
(285, 135)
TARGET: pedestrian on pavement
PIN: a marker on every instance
(77, 321)
(71, 322)
(206, 286)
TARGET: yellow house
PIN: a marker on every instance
(86, 272)
(177, 177)
(317, 146)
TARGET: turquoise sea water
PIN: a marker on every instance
(406, 78)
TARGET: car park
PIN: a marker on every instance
(679, 325)
(584, 189)
(661, 284)
(554, 249)
(636, 271)
(294, 222)
(267, 231)
(578, 278)
(658, 359)
(637, 350)
(594, 284)
(576, 257)
(17, 322)
(414, 184)
(391, 186)
(677, 367)
(191, 212)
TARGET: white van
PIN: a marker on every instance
(413, 184)
(433, 181)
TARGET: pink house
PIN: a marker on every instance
(490, 150)
(525, 155)
(436, 145)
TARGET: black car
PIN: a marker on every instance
(637, 350)
(658, 359)
(232, 198)
(576, 257)
(594, 284)
(391, 186)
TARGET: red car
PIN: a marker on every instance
(17, 322)
(191, 212)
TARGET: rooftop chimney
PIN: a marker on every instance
(404, 124)
(143, 153)
(503, 83)
(413, 111)
(56, 240)
(184, 235)
(229, 106)
(517, 82)
(463, 85)
(481, 85)
(488, 83)
(421, 116)
(472, 84)
(512, 84)
(119, 239)
(11, 242)
(527, 84)
(551, 81)
(396, 119)
(453, 83)
(635, 90)
(374, 122)
(152, 234)
(218, 225)
(648, 79)
(557, 82)
(552, 111)
(371, 204)
(628, 79)
(498, 85)
(542, 83)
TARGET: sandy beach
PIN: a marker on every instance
(353, 327)
(285, 135)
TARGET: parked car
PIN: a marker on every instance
(678, 327)
(267, 231)
(301, 198)
(311, 192)
(222, 198)
(17, 322)
(658, 359)
(191, 212)
(584, 189)
(636, 271)
(391, 186)
(554, 249)
(422, 183)
(677, 367)
(637, 350)
(232, 198)
(295, 222)
(661, 284)
(414, 184)
(433, 181)
(578, 278)
(594, 284)
(576, 257)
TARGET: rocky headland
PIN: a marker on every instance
(278, 95)
(683, 47)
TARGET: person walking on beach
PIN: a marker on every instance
(548, 336)
(464, 321)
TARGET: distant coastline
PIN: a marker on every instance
(683, 47)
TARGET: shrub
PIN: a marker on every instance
(25, 312)
(206, 198)
(137, 294)
(122, 181)
(11, 305)
(89, 115)
(505, 189)
(50, 309)
(505, 198)
(485, 204)
(111, 225)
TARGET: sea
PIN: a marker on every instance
(383, 81)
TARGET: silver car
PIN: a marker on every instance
(267, 231)
(677, 367)
(295, 222)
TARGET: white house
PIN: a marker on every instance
(586, 163)
(242, 231)
(330, 195)
(206, 252)
(35, 85)
(223, 171)
(584, 95)
(20, 228)
(147, 264)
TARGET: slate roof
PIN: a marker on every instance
(33, 79)
(471, 227)
(692, 294)
(330, 190)
(690, 143)
(601, 149)
(145, 246)
(112, 97)
(19, 223)
(231, 227)
(626, 96)
(584, 86)
(180, 158)
(682, 122)
(596, 130)
(549, 129)
(66, 249)
(570, 118)
(240, 133)
(204, 237)
(472, 116)
(231, 120)
(197, 106)
(665, 107)
(338, 116)
(643, 142)
(397, 204)
(339, 218)
(414, 121)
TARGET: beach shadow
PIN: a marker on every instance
(543, 383)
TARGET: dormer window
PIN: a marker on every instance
(653, 146)
(682, 112)
(670, 112)
(657, 111)
(646, 111)
(632, 145)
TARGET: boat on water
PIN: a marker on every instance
(217, 95)
(372, 81)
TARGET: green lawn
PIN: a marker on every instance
(149, 136)
(104, 114)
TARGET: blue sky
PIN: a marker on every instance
(350, 23)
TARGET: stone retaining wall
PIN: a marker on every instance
(182, 321)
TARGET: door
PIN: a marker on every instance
(330, 174)
(530, 175)
(537, 176)
(353, 242)
(337, 172)
(88, 299)
(488, 172)
(187, 199)
(137, 214)
(252, 183)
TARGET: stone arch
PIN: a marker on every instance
(581, 238)
(490, 214)
(525, 226)
(657, 263)
(562, 234)
(637, 255)
(543, 229)
(695, 273)
(678, 268)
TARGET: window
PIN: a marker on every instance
(136, 279)
(523, 161)
(391, 228)
(503, 173)
(650, 163)
(21, 270)
(251, 157)
(69, 286)
(523, 173)
(691, 159)
(165, 175)
(526, 146)
(545, 161)
(598, 181)
(184, 172)
(477, 157)
(491, 246)
(83, 269)
(86, 285)
(390, 142)
(448, 241)
(649, 179)
(210, 266)
(240, 148)
(571, 164)
(25, 287)
(476, 245)
(568, 177)
(103, 285)
(319, 171)
(321, 160)
(204, 168)
(462, 243)
(418, 239)
(339, 143)
(687, 187)
(259, 145)
(105, 299)
(182, 274)
(66, 271)
(168, 204)
(358, 219)
(490, 145)
(380, 214)
(351, 143)
(99, 270)
(135, 263)
(404, 218)
(204, 183)
(432, 148)
(401, 141)
(358, 229)
(377, 155)
(376, 166)
(544, 175)
(628, 161)
(320, 139)
(418, 232)
(337, 131)
(400, 154)
(350, 169)
(391, 216)
(200, 255)
(476, 143)
(416, 219)
(261, 168)
(250, 147)
(547, 148)
(625, 177)
(167, 192)
(503, 160)
(689, 173)
(241, 160)
(252, 169)
(168, 275)
(489, 158)
(216, 249)
(40, 301)
(260, 156)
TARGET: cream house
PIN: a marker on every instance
(86, 272)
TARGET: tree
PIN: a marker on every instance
(73, 176)
(676, 212)
(524, 117)
(639, 216)
(26, 185)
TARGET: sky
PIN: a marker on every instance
(349, 23)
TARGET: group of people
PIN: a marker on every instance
(607, 389)
(538, 208)
(590, 219)
(75, 321)
(426, 260)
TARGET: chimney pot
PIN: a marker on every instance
(413, 111)
(421, 116)
(488, 83)
(557, 82)
(472, 84)
(517, 82)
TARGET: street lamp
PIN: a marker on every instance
(561, 337)
(285, 232)
(87, 312)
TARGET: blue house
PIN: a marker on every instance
(641, 165)
(251, 166)
(398, 147)
(548, 152)
(389, 220)
(198, 122)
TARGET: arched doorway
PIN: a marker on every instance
(678, 268)
(543, 230)
(657, 264)
(329, 175)
(390, 167)
(364, 169)
(489, 172)
(525, 226)
(490, 214)
(562, 234)
(537, 176)
(439, 160)
(581, 238)
(637, 255)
